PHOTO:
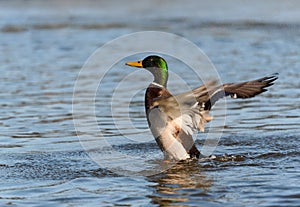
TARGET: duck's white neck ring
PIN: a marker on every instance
(157, 84)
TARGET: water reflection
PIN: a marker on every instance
(181, 183)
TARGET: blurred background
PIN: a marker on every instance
(43, 46)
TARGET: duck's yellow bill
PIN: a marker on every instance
(138, 64)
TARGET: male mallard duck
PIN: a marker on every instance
(172, 119)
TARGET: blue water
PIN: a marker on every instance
(43, 47)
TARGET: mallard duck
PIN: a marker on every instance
(173, 119)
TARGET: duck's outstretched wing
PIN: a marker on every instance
(242, 90)
(190, 109)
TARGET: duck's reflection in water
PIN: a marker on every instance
(183, 183)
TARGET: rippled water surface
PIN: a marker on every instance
(43, 46)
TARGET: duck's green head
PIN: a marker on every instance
(156, 65)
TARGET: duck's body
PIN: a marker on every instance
(173, 119)
(172, 140)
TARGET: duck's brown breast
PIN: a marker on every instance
(153, 93)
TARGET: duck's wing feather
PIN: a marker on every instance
(190, 109)
(184, 109)
(242, 90)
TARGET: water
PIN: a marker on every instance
(44, 46)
